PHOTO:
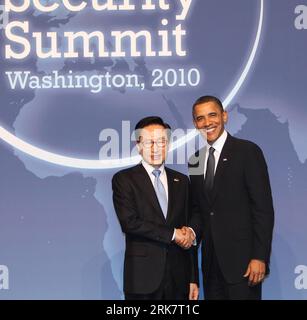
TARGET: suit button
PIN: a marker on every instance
(211, 213)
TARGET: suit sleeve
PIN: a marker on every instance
(195, 220)
(259, 189)
(194, 278)
(193, 251)
(130, 220)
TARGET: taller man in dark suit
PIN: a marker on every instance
(152, 205)
(233, 213)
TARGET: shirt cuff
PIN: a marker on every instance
(194, 242)
(174, 235)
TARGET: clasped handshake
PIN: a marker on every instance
(184, 237)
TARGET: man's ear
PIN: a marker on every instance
(225, 116)
(139, 147)
(194, 123)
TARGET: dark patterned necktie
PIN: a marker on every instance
(209, 178)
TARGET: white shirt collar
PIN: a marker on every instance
(219, 143)
(149, 168)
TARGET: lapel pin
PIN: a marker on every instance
(176, 180)
(225, 159)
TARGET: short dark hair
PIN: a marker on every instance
(145, 122)
(205, 99)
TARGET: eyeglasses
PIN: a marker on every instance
(149, 143)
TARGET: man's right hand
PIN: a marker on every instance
(184, 237)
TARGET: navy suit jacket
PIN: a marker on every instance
(148, 234)
(237, 217)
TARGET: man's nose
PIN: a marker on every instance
(206, 122)
(154, 147)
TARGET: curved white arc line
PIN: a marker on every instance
(180, 142)
(183, 140)
(63, 160)
(250, 61)
(57, 159)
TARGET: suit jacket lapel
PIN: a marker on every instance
(197, 169)
(224, 159)
(171, 196)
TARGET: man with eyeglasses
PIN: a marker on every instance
(152, 205)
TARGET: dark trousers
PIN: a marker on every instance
(216, 287)
(166, 291)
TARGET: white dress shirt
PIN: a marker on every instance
(163, 176)
(218, 146)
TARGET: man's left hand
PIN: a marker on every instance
(194, 291)
(255, 272)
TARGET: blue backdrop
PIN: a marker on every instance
(59, 235)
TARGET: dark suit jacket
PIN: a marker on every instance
(238, 216)
(149, 234)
